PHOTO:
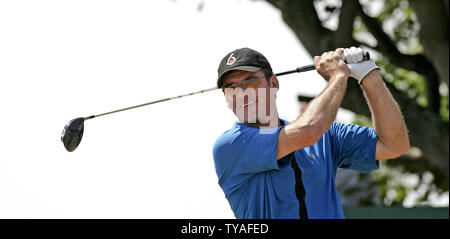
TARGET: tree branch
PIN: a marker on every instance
(434, 33)
(302, 18)
(418, 63)
(344, 33)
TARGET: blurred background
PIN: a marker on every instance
(65, 59)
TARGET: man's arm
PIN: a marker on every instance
(321, 111)
(387, 119)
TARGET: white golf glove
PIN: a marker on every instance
(358, 68)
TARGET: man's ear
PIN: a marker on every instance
(273, 83)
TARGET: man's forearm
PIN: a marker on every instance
(387, 119)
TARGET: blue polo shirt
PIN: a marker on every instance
(257, 185)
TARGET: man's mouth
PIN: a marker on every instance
(251, 103)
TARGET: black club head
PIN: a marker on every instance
(72, 134)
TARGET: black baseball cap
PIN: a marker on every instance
(244, 59)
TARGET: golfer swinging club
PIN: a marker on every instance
(289, 171)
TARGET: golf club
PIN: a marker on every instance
(73, 131)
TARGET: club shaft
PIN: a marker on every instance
(152, 102)
(298, 70)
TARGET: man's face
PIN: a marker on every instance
(251, 96)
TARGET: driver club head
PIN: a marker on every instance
(72, 134)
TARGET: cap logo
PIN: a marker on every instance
(231, 59)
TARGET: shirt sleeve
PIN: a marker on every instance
(239, 155)
(354, 146)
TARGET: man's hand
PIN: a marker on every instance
(358, 68)
(330, 65)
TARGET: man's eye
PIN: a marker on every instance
(227, 88)
(253, 79)
(250, 80)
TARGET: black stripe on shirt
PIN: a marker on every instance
(300, 192)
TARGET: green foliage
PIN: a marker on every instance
(414, 85)
(444, 106)
(362, 120)
(401, 23)
(408, 81)
(398, 187)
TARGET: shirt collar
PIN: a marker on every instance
(244, 126)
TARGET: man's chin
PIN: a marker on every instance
(248, 121)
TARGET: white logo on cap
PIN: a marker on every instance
(231, 59)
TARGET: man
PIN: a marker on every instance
(290, 171)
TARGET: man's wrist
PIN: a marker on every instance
(371, 79)
(339, 77)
